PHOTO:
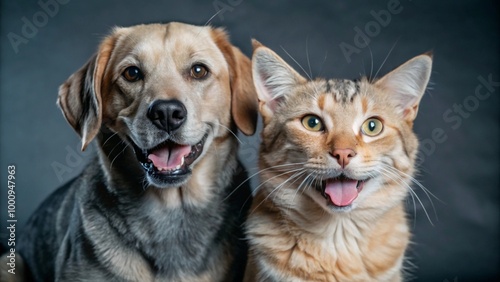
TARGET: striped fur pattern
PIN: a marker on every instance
(296, 230)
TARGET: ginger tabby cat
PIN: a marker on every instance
(336, 160)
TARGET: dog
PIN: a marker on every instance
(157, 203)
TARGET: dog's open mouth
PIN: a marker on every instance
(170, 161)
(341, 191)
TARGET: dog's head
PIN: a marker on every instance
(169, 90)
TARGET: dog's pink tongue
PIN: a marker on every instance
(342, 192)
(169, 157)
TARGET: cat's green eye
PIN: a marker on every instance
(312, 123)
(372, 127)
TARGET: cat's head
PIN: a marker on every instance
(347, 144)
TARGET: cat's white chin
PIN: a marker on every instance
(338, 209)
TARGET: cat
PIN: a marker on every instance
(336, 161)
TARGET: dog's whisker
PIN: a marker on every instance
(123, 150)
(116, 145)
(109, 138)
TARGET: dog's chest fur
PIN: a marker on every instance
(125, 234)
(138, 238)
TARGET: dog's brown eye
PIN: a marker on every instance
(132, 74)
(199, 71)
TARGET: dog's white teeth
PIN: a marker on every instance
(178, 167)
(182, 162)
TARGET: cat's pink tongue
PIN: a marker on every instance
(341, 192)
(169, 157)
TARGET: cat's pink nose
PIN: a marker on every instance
(343, 156)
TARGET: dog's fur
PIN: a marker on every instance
(119, 222)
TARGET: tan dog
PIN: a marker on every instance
(163, 101)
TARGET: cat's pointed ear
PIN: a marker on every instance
(272, 78)
(407, 84)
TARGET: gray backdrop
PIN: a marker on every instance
(457, 123)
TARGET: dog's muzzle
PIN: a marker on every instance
(168, 163)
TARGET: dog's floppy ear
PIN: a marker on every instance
(244, 97)
(80, 96)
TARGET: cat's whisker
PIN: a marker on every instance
(416, 182)
(307, 56)
(277, 167)
(212, 17)
(323, 64)
(300, 66)
(303, 186)
(278, 175)
(418, 199)
(364, 70)
(386, 57)
(258, 172)
(403, 182)
(371, 68)
(295, 175)
(311, 181)
(315, 180)
(230, 131)
(427, 192)
(256, 188)
(305, 72)
(412, 197)
(300, 186)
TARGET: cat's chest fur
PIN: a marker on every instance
(320, 247)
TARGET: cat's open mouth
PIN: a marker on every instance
(341, 191)
(169, 162)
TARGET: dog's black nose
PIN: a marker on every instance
(167, 115)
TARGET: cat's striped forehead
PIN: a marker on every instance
(343, 90)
